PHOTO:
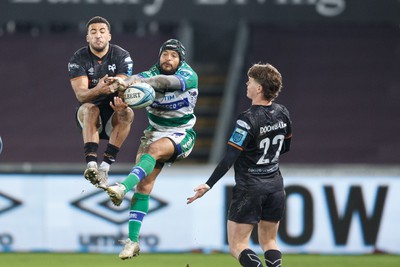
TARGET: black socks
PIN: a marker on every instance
(249, 258)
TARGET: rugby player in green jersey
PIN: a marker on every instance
(169, 136)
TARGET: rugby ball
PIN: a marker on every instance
(139, 95)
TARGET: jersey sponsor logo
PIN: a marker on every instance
(243, 124)
(172, 105)
(112, 67)
(72, 66)
(238, 136)
(263, 171)
(269, 128)
(91, 71)
(168, 97)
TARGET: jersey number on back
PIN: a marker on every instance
(266, 144)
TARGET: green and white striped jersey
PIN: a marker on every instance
(173, 111)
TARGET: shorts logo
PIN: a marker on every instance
(188, 143)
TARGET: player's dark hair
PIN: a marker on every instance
(269, 78)
(98, 19)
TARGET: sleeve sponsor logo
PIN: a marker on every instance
(128, 60)
(72, 66)
(243, 124)
(185, 73)
(238, 136)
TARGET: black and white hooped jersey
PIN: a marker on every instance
(259, 133)
(85, 63)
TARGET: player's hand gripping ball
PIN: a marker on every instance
(139, 95)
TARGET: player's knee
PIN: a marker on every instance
(130, 115)
(89, 110)
(88, 113)
(159, 152)
(126, 116)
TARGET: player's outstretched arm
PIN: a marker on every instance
(164, 82)
(200, 191)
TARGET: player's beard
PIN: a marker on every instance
(166, 71)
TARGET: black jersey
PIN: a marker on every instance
(259, 133)
(85, 63)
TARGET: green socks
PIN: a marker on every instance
(143, 168)
(139, 209)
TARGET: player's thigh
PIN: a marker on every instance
(162, 149)
(238, 236)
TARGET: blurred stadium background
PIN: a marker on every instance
(340, 65)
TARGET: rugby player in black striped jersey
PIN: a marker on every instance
(101, 113)
(262, 133)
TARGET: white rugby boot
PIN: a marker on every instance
(116, 193)
(102, 178)
(131, 249)
(92, 173)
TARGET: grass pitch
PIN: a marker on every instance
(182, 259)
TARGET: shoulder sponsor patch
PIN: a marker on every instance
(243, 124)
(72, 66)
(238, 136)
(185, 73)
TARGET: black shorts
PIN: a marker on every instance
(261, 204)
